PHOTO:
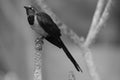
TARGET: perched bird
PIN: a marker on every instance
(43, 24)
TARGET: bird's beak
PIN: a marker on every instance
(25, 7)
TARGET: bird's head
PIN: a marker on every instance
(30, 11)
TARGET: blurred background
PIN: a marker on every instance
(17, 42)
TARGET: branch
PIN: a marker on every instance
(98, 20)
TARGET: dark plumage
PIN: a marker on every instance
(31, 20)
(48, 25)
(54, 33)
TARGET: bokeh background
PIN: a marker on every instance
(17, 42)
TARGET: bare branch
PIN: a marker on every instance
(90, 64)
(98, 21)
(104, 16)
(98, 12)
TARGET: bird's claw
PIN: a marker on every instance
(38, 43)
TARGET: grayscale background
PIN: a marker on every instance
(17, 42)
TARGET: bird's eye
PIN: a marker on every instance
(32, 8)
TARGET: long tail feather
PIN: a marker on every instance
(70, 57)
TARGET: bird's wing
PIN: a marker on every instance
(48, 25)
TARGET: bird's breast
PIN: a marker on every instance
(38, 29)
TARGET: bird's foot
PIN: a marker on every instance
(39, 43)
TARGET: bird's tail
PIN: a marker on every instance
(70, 56)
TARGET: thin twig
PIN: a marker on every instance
(96, 18)
(37, 60)
(104, 16)
(90, 64)
(98, 24)
(98, 12)
(95, 28)
(37, 66)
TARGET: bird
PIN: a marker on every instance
(43, 25)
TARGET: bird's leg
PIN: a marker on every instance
(39, 42)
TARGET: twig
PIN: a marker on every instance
(37, 66)
(98, 21)
(95, 28)
(37, 60)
